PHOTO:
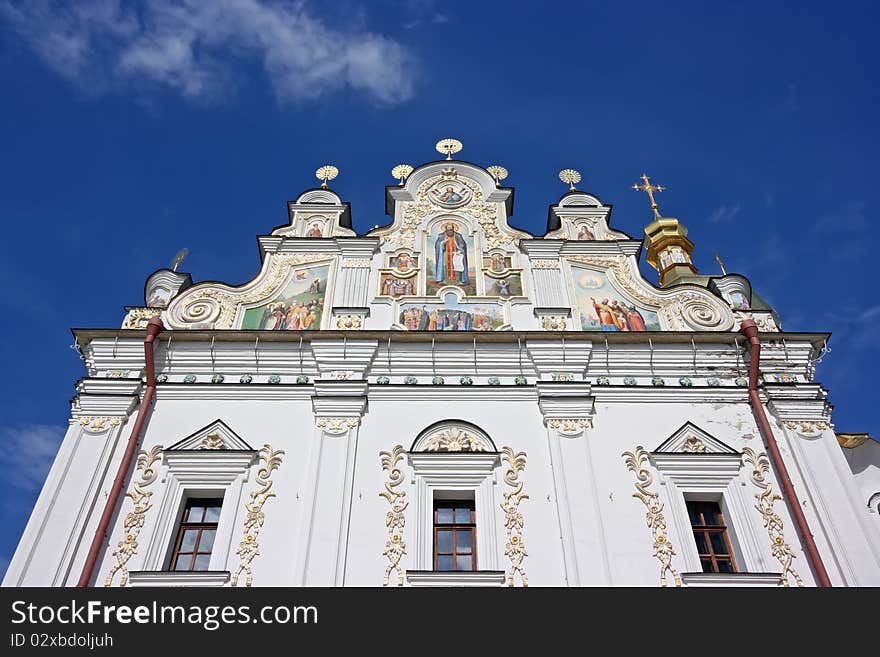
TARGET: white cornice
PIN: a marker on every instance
(731, 579)
(455, 578)
(139, 578)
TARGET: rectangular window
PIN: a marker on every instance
(454, 535)
(710, 534)
(195, 537)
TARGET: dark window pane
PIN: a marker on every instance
(212, 514)
(206, 542)
(694, 514)
(718, 544)
(707, 565)
(444, 516)
(462, 516)
(183, 562)
(463, 541)
(465, 562)
(444, 540)
(189, 540)
(444, 563)
(195, 513)
(702, 545)
(202, 561)
(725, 566)
(712, 514)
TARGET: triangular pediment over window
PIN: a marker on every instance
(215, 436)
(691, 439)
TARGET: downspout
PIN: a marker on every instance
(154, 327)
(749, 329)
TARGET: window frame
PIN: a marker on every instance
(455, 526)
(185, 524)
(708, 531)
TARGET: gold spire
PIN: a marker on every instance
(648, 187)
(325, 173)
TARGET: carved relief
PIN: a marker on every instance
(134, 519)
(764, 323)
(337, 424)
(357, 263)
(553, 322)
(98, 424)
(570, 426)
(455, 439)
(212, 441)
(249, 547)
(395, 520)
(778, 547)
(515, 549)
(636, 462)
(349, 322)
(137, 318)
(545, 264)
(807, 427)
(694, 445)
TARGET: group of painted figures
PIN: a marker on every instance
(615, 315)
(444, 319)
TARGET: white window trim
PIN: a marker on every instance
(456, 578)
(731, 579)
(689, 475)
(191, 473)
(138, 578)
(456, 471)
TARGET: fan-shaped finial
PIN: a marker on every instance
(571, 177)
(325, 173)
(449, 146)
(401, 171)
(499, 173)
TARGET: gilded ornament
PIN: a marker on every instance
(553, 322)
(134, 519)
(515, 550)
(807, 427)
(249, 548)
(694, 445)
(571, 177)
(337, 424)
(646, 186)
(636, 462)
(449, 147)
(499, 173)
(455, 440)
(325, 173)
(357, 263)
(401, 172)
(96, 424)
(760, 466)
(570, 425)
(545, 264)
(137, 318)
(212, 441)
(395, 519)
(348, 322)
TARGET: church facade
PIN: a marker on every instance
(447, 400)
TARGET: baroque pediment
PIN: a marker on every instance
(691, 439)
(214, 436)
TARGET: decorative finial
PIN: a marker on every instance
(179, 258)
(325, 173)
(498, 173)
(448, 146)
(720, 263)
(571, 177)
(401, 171)
(648, 187)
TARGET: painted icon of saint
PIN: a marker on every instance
(449, 196)
(584, 233)
(450, 252)
(314, 231)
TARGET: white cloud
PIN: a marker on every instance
(27, 454)
(193, 47)
(724, 213)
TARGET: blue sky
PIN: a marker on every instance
(131, 130)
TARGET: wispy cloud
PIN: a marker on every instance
(422, 12)
(194, 47)
(28, 452)
(724, 213)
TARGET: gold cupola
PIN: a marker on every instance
(668, 248)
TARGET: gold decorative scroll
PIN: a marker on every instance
(663, 550)
(395, 520)
(134, 519)
(515, 549)
(570, 425)
(137, 318)
(778, 547)
(95, 424)
(249, 547)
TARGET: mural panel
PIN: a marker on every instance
(496, 262)
(403, 262)
(394, 286)
(299, 306)
(506, 286)
(450, 258)
(450, 316)
(603, 308)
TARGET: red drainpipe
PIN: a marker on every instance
(749, 329)
(154, 327)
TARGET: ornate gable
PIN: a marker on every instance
(215, 436)
(691, 439)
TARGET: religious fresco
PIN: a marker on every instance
(450, 316)
(737, 299)
(299, 306)
(584, 233)
(602, 308)
(159, 298)
(450, 258)
(449, 194)
(506, 286)
(496, 262)
(403, 262)
(315, 229)
(394, 286)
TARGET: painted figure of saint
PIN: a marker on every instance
(404, 262)
(496, 262)
(314, 231)
(605, 312)
(584, 233)
(449, 196)
(450, 251)
(503, 288)
(634, 319)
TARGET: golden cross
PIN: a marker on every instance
(648, 187)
